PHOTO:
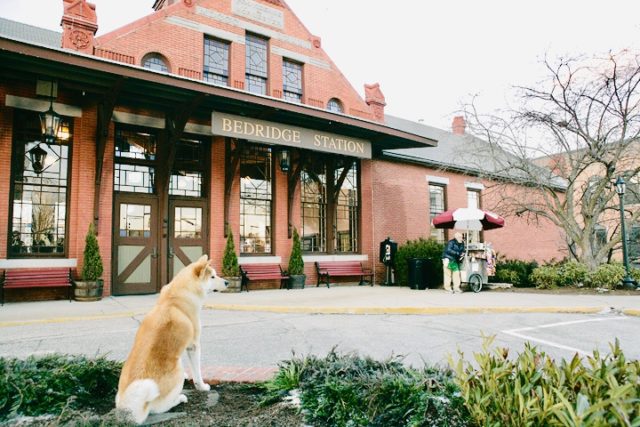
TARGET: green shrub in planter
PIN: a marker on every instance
(90, 285)
(420, 248)
(92, 267)
(608, 276)
(230, 267)
(534, 390)
(296, 263)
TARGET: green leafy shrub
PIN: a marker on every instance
(296, 263)
(420, 248)
(54, 383)
(230, 266)
(573, 273)
(607, 276)
(545, 277)
(534, 390)
(347, 390)
(515, 272)
(92, 267)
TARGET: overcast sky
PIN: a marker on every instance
(428, 56)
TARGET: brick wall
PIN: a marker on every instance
(183, 48)
(401, 211)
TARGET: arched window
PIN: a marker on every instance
(155, 61)
(335, 105)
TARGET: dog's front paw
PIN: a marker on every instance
(202, 386)
(182, 398)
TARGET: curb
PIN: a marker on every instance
(407, 310)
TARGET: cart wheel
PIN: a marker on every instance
(475, 282)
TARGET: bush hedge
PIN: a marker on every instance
(574, 274)
(348, 390)
(515, 272)
(420, 248)
(54, 383)
(534, 390)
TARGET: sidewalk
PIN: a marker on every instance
(335, 300)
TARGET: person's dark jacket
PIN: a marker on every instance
(453, 250)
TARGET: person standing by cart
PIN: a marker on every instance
(451, 258)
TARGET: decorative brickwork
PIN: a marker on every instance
(197, 75)
(79, 25)
(115, 56)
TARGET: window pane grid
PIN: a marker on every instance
(255, 199)
(188, 223)
(334, 105)
(314, 211)
(256, 66)
(134, 178)
(436, 206)
(155, 62)
(216, 61)
(346, 239)
(292, 81)
(135, 220)
(39, 206)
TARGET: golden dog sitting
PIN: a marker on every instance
(152, 377)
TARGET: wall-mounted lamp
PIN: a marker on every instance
(63, 132)
(285, 160)
(50, 122)
(37, 156)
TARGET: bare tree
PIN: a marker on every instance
(583, 124)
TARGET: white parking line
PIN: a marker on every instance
(516, 332)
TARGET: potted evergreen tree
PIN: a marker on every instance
(297, 277)
(230, 267)
(89, 287)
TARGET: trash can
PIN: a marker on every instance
(417, 273)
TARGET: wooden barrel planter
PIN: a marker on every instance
(88, 291)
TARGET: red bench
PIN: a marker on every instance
(35, 278)
(328, 269)
(262, 272)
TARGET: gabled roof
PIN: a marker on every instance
(26, 32)
(461, 153)
(33, 52)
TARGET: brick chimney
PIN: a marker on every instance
(459, 125)
(79, 25)
(160, 4)
(375, 99)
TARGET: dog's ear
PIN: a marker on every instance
(200, 269)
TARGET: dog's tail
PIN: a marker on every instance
(136, 398)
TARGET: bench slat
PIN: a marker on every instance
(35, 278)
(261, 272)
(326, 269)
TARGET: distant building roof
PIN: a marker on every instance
(28, 33)
(463, 153)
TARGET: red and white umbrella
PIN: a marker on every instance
(468, 219)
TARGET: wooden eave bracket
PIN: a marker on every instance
(233, 160)
(105, 113)
(293, 183)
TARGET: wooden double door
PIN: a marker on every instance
(148, 249)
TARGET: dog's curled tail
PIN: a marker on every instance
(136, 399)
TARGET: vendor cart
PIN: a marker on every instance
(478, 258)
(473, 269)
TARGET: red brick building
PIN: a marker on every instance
(204, 117)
